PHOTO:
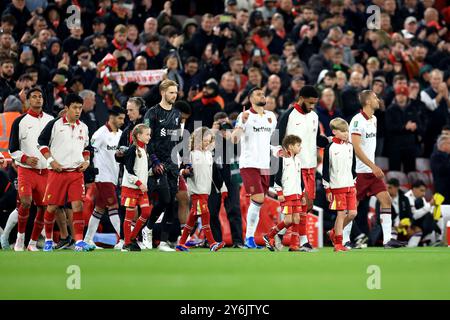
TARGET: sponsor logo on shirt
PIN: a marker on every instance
(113, 148)
(261, 129)
(371, 135)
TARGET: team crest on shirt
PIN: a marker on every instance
(270, 120)
(355, 124)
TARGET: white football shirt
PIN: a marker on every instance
(105, 142)
(365, 127)
(255, 143)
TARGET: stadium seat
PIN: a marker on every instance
(383, 163)
(423, 165)
(402, 178)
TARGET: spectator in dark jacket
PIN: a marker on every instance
(17, 9)
(440, 166)
(320, 61)
(326, 110)
(350, 96)
(7, 84)
(202, 37)
(53, 54)
(403, 128)
(204, 108)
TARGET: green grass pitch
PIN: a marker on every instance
(420, 273)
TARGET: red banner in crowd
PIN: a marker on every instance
(143, 77)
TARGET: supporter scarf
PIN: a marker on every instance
(119, 46)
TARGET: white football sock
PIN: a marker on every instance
(11, 223)
(115, 220)
(303, 240)
(386, 225)
(415, 240)
(346, 233)
(92, 226)
(252, 219)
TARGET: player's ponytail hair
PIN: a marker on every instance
(136, 131)
(197, 136)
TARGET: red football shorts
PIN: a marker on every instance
(106, 194)
(199, 204)
(368, 185)
(62, 186)
(134, 197)
(182, 186)
(344, 199)
(309, 179)
(32, 183)
(255, 180)
(292, 204)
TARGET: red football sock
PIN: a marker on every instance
(49, 222)
(295, 240)
(338, 240)
(129, 215)
(206, 228)
(38, 224)
(276, 229)
(23, 218)
(302, 225)
(188, 228)
(145, 214)
(78, 225)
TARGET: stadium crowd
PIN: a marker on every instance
(216, 53)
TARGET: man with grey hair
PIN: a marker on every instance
(440, 166)
(88, 115)
(350, 96)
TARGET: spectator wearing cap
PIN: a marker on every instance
(404, 129)
(12, 110)
(268, 9)
(204, 35)
(98, 26)
(437, 99)
(85, 68)
(326, 110)
(256, 20)
(205, 105)
(431, 39)
(53, 54)
(231, 7)
(409, 28)
(440, 167)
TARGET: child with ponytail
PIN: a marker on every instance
(134, 186)
(201, 176)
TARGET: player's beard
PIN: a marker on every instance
(261, 104)
(305, 108)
